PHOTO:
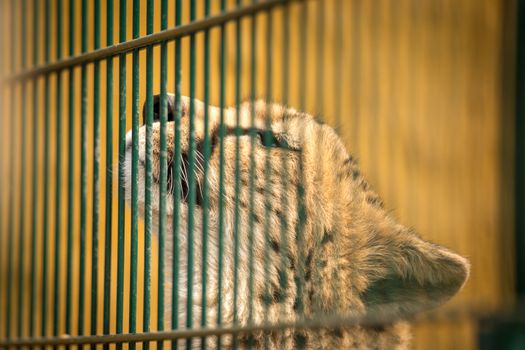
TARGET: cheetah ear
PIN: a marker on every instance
(407, 274)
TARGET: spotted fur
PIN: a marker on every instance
(320, 239)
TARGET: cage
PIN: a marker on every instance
(427, 95)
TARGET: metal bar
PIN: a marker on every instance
(520, 153)
(253, 135)
(121, 173)
(10, 216)
(163, 168)
(147, 190)
(236, 227)
(283, 279)
(191, 182)
(58, 174)
(176, 176)
(222, 158)
(205, 186)
(22, 189)
(109, 174)
(34, 185)
(301, 207)
(317, 323)
(45, 235)
(153, 39)
(267, 141)
(83, 176)
(71, 173)
(134, 174)
(96, 174)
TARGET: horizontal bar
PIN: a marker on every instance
(148, 40)
(320, 322)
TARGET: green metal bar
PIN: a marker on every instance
(109, 174)
(134, 174)
(121, 173)
(176, 176)
(96, 175)
(45, 235)
(58, 174)
(236, 227)
(191, 183)
(149, 166)
(83, 176)
(205, 184)
(520, 154)
(319, 79)
(71, 173)
(253, 135)
(301, 208)
(163, 168)
(154, 39)
(356, 74)
(23, 184)
(34, 185)
(222, 133)
(11, 190)
(267, 140)
(283, 279)
(338, 61)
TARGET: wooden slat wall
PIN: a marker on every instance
(422, 106)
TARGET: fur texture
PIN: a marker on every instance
(321, 241)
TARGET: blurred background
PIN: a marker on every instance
(421, 91)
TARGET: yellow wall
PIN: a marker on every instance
(420, 90)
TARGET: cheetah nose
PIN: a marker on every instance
(157, 108)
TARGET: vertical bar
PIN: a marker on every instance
(83, 176)
(253, 135)
(163, 167)
(134, 174)
(96, 175)
(191, 181)
(10, 215)
(71, 172)
(109, 174)
(176, 177)
(222, 133)
(34, 185)
(22, 189)
(236, 228)
(284, 159)
(267, 141)
(319, 79)
(301, 208)
(121, 173)
(58, 189)
(45, 235)
(356, 75)
(338, 61)
(147, 190)
(520, 153)
(205, 189)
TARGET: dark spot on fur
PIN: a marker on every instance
(291, 261)
(373, 200)
(256, 218)
(355, 174)
(337, 332)
(275, 246)
(328, 237)
(300, 340)
(309, 257)
(278, 295)
(323, 263)
(376, 328)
